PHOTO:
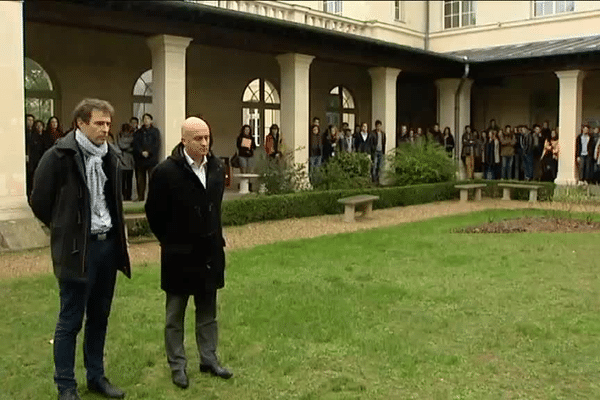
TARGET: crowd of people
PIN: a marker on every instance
(138, 147)
(527, 153)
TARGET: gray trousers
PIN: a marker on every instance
(206, 329)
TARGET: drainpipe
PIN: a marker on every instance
(457, 127)
(427, 25)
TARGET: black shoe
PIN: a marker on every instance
(217, 370)
(69, 395)
(103, 387)
(180, 379)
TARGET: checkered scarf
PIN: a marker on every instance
(96, 179)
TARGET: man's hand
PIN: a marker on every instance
(145, 154)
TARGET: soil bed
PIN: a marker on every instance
(534, 224)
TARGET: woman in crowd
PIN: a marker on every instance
(273, 142)
(53, 129)
(550, 157)
(124, 143)
(507, 152)
(480, 141)
(246, 146)
(491, 157)
(448, 141)
(39, 142)
(329, 141)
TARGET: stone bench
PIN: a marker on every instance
(507, 187)
(245, 181)
(363, 201)
(464, 190)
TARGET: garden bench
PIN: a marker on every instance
(365, 201)
(245, 182)
(507, 187)
(464, 190)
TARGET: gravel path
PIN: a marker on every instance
(34, 262)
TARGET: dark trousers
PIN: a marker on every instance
(127, 184)
(378, 160)
(141, 174)
(585, 168)
(92, 298)
(528, 165)
(206, 329)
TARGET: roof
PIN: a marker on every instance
(546, 48)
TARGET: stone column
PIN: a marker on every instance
(447, 104)
(295, 114)
(13, 196)
(18, 227)
(569, 123)
(169, 88)
(383, 103)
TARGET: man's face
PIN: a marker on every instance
(538, 129)
(196, 142)
(364, 127)
(378, 127)
(98, 127)
(586, 130)
(147, 121)
(545, 125)
(436, 127)
(133, 123)
(316, 121)
(30, 121)
(404, 129)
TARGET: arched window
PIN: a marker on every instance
(40, 94)
(260, 108)
(142, 95)
(341, 107)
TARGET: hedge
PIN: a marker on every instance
(312, 203)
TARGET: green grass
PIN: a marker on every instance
(407, 312)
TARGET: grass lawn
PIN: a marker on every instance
(407, 312)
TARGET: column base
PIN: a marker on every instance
(19, 229)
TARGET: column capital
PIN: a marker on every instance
(168, 42)
(570, 74)
(294, 58)
(391, 73)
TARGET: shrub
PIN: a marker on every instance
(344, 171)
(420, 162)
(281, 175)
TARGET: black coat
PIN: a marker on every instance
(146, 139)
(61, 200)
(186, 219)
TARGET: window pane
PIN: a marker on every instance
(466, 6)
(335, 90)
(348, 100)
(447, 22)
(570, 6)
(447, 8)
(271, 117)
(455, 21)
(36, 77)
(560, 6)
(455, 7)
(252, 93)
(539, 8)
(251, 116)
(271, 95)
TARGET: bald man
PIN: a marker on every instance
(184, 212)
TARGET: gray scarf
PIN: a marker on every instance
(96, 179)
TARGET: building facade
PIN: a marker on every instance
(285, 62)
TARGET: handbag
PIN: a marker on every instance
(235, 160)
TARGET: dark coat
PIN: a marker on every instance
(61, 200)
(146, 139)
(590, 146)
(37, 146)
(364, 146)
(186, 219)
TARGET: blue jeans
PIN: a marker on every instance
(507, 165)
(490, 171)
(91, 297)
(378, 163)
